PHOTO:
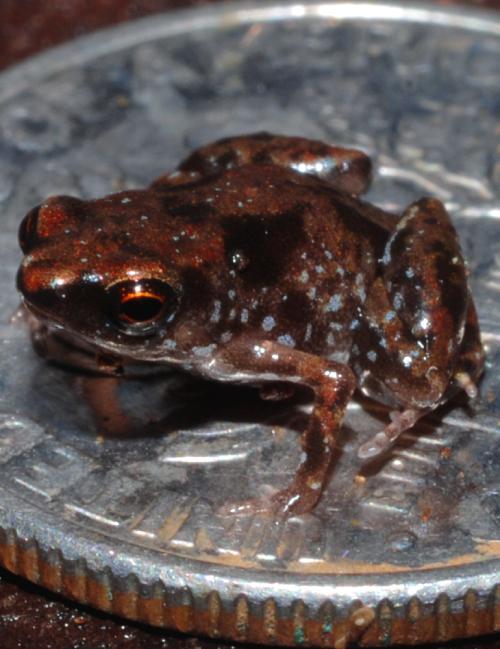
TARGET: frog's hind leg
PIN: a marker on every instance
(418, 342)
(347, 170)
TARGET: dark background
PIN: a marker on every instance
(31, 618)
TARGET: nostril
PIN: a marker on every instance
(55, 216)
(28, 230)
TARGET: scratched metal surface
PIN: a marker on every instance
(417, 88)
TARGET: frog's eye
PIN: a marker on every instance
(139, 307)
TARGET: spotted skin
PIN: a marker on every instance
(256, 262)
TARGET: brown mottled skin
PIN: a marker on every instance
(256, 262)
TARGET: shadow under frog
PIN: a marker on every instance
(256, 263)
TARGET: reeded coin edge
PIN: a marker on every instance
(243, 618)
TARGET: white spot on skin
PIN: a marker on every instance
(409, 273)
(372, 356)
(304, 277)
(93, 278)
(268, 323)
(231, 294)
(354, 325)
(311, 293)
(308, 334)
(330, 339)
(126, 200)
(386, 259)
(328, 255)
(244, 316)
(360, 287)
(286, 340)
(390, 315)
(425, 323)
(205, 351)
(215, 317)
(320, 269)
(169, 344)
(398, 301)
(226, 337)
(334, 304)
(259, 351)
(407, 361)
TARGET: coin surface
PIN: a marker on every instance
(405, 550)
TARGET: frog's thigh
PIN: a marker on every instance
(332, 383)
(347, 170)
(425, 277)
(415, 319)
(470, 363)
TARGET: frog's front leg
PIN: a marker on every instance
(333, 385)
(418, 341)
(347, 170)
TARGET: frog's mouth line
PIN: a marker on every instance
(140, 360)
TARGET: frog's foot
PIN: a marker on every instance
(381, 442)
(287, 502)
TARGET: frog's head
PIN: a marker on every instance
(101, 271)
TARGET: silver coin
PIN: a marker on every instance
(405, 550)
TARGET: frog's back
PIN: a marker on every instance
(296, 254)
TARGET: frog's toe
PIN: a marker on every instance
(465, 381)
(382, 441)
(249, 507)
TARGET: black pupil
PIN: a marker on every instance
(141, 309)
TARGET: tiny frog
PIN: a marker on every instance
(256, 262)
